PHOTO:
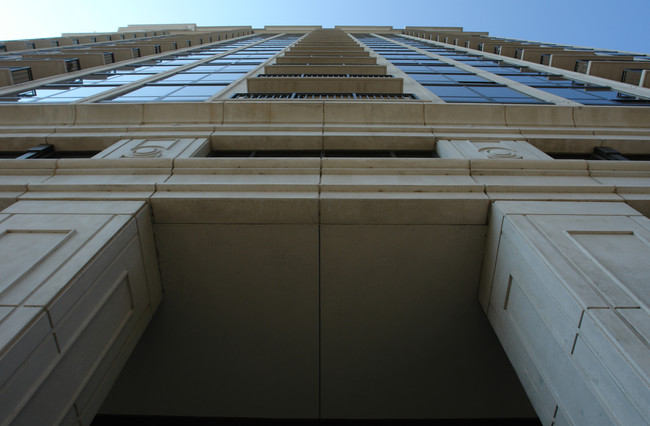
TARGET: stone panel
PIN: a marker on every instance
(157, 148)
(74, 299)
(565, 288)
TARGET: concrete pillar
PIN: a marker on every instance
(565, 287)
(78, 284)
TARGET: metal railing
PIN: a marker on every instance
(109, 58)
(325, 75)
(21, 75)
(327, 96)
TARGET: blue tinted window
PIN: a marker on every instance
(443, 91)
(221, 77)
(468, 78)
(153, 91)
(448, 69)
(498, 91)
(205, 91)
(430, 78)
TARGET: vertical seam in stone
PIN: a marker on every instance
(320, 181)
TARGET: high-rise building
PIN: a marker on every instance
(348, 223)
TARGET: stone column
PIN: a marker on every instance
(78, 284)
(566, 287)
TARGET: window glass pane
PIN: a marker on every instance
(529, 79)
(569, 93)
(221, 77)
(519, 100)
(504, 70)
(498, 91)
(451, 91)
(55, 99)
(153, 91)
(154, 69)
(198, 90)
(468, 78)
(479, 63)
(238, 68)
(608, 94)
(119, 79)
(453, 99)
(135, 99)
(412, 68)
(83, 92)
(177, 62)
(447, 70)
(43, 92)
(182, 78)
(597, 101)
(430, 78)
(206, 68)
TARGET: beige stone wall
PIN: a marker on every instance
(325, 287)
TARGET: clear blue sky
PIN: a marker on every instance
(620, 25)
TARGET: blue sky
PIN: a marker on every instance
(595, 23)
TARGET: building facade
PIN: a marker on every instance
(309, 223)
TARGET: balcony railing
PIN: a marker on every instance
(327, 96)
(325, 75)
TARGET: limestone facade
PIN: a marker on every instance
(326, 231)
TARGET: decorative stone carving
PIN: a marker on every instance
(151, 149)
(500, 150)
(157, 148)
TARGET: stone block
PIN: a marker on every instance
(403, 208)
(47, 193)
(37, 114)
(538, 115)
(108, 113)
(235, 207)
(149, 256)
(378, 140)
(556, 295)
(379, 113)
(273, 112)
(616, 116)
(447, 114)
(602, 351)
(173, 112)
(85, 308)
(105, 182)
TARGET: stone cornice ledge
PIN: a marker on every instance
(324, 112)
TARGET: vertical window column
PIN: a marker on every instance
(472, 84)
(563, 85)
